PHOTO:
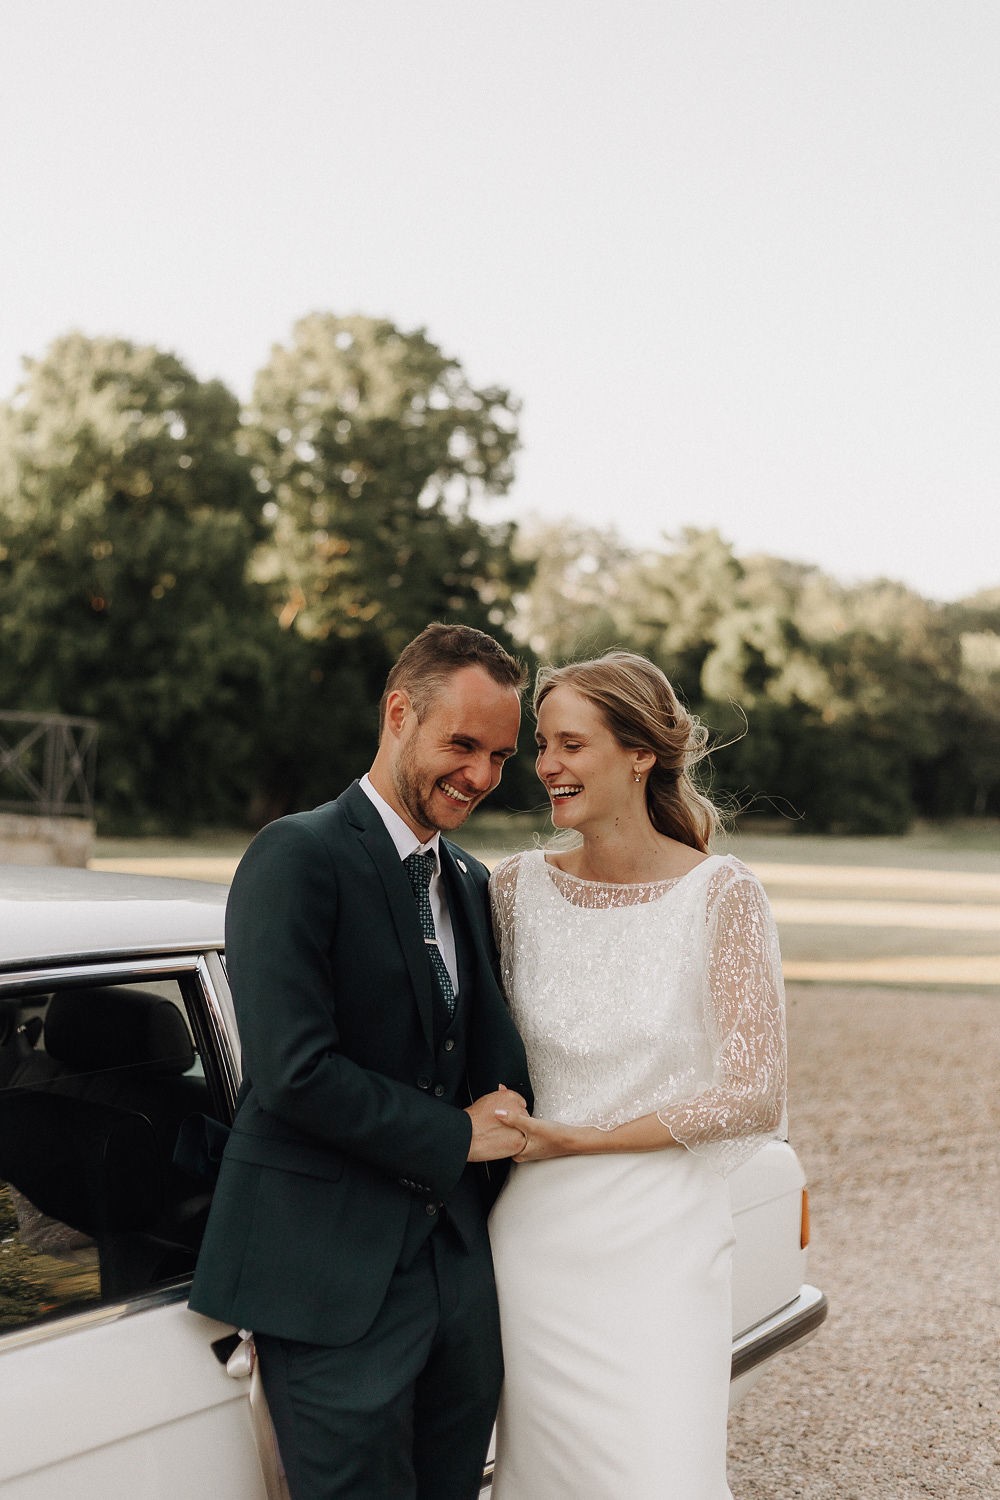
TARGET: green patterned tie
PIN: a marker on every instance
(420, 868)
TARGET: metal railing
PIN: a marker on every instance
(48, 764)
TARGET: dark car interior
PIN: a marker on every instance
(95, 1085)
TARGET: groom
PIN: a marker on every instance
(348, 1228)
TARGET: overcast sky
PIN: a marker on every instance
(738, 260)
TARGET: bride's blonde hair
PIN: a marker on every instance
(643, 712)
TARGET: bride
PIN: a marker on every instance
(644, 976)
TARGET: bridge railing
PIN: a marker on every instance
(48, 764)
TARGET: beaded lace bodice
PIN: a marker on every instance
(635, 999)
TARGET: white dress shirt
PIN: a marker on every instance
(407, 843)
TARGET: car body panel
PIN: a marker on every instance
(51, 913)
(769, 1266)
(130, 1397)
(143, 1409)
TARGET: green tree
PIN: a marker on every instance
(866, 706)
(372, 447)
(374, 456)
(127, 521)
(978, 731)
(576, 602)
(680, 597)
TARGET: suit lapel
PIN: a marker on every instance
(377, 844)
(465, 920)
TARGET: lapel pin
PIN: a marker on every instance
(462, 866)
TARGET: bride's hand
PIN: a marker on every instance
(543, 1139)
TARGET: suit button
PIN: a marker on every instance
(449, 1045)
(423, 1083)
(431, 1209)
(438, 1090)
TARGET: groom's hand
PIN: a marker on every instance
(492, 1139)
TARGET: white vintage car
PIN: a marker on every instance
(116, 1028)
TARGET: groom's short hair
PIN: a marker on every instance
(423, 666)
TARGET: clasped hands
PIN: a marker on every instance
(502, 1128)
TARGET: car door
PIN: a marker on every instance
(109, 1385)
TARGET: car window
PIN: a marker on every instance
(96, 1084)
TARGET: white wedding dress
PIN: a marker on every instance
(614, 1271)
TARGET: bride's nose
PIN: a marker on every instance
(546, 762)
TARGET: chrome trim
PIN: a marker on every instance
(139, 965)
(212, 984)
(94, 1317)
(136, 966)
(792, 1325)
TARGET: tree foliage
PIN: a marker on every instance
(224, 591)
(866, 706)
(371, 446)
(127, 520)
(573, 605)
(372, 452)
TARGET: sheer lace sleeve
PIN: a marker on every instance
(503, 890)
(745, 1022)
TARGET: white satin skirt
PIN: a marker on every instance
(614, 1276)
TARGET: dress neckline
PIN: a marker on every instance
(625, 885)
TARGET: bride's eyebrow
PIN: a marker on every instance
(562, 734)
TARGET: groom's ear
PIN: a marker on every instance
(398, 711)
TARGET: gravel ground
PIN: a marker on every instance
(894, 1112)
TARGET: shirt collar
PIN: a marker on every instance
(402, 835)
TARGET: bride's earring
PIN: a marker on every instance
(635, 775)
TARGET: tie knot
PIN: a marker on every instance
(420, 868)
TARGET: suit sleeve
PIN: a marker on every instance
(281, 910)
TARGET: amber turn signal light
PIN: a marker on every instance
(804, 1236)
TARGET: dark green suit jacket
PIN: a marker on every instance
(339, 1127)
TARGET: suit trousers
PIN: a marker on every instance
(405, 1412)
